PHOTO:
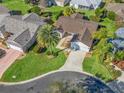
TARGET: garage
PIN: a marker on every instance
(79, 46)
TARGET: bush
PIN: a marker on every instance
(95, 18)
(117, 73)
(68, 11)
(119, 56)
(46, 14)
(2, 53)
(34, 2)
(118, 1)
(35, 9)
(98, 12)
(111, 15)
(56, 15)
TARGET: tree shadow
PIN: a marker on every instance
(117, 86)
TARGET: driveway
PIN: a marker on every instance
(6, 61)
(74, 61)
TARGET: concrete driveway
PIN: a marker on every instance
(6, 61)
(74, 61)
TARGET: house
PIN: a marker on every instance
(46, 3)
(85, 4)
(3, 12)
(118, 8)
(62, 2)
(19, 32)
(81, 30)
(118, 42)
(120, 32)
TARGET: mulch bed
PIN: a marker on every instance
(119, 64)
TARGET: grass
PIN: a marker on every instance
(33, 65)
(16, 5)
(56, 12)
(91, 65)
(87, 12)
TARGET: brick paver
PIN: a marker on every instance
(5, 62)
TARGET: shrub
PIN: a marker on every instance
(35, 9)
(111, 15)
(68, 11)
(118, 1)
(95, 18)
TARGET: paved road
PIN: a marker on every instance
(74, 61)
(42, 84)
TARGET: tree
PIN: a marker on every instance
(118, 1)
(68, 11)
(34, 2)
(111, 15)
(27, 1)
(119, 56)
(47, 37)
(98, 12)
(35, 9)
(102, 33)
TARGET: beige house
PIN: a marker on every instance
(19, 32)
(77, 31)
(62, 2)
(118, 8)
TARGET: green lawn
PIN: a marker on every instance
(91, 65)
(16, 5)
(33, 65)
(56, 12)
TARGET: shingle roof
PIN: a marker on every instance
(3, 10)
(87, 3)
(21, 30)
(120, 32)
(78, 26)
(118, 8)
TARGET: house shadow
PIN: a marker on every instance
(117, 86)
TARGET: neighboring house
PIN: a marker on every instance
(118, 8)
(118, 42)
(3, 12)
(19, 32)
(62, 2)
(81, 30)
(46, 3)
(85, 4)
(120, 32)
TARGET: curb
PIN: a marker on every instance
(41, 76)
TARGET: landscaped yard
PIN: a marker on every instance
(91, 65)
(16, 5)
(33, 65)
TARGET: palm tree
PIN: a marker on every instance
(47, 37)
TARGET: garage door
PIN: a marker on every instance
(16, 48)
(83, 47)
